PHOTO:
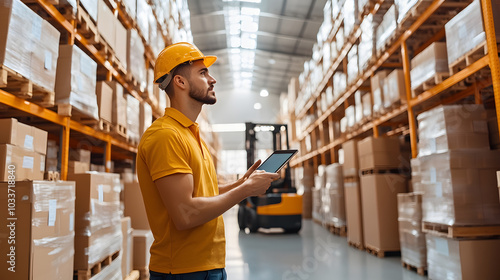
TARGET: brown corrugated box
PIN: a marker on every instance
(105, 101)
(106, 23)
(383, 152)
(143, 239)
(354, 214)
(380, 210)
(119, 108)
(23, 135)
(121, 42)
(97, 217)
(44, 230)
(134, 206)
(351, 158)
(28, 165)
(80, 155)
(127, 246)
(75, 167)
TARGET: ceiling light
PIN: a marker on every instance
(246, 74)
(264, 93)
(257, 106)
(229, 127)
(250, 11)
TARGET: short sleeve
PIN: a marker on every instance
(165, 154)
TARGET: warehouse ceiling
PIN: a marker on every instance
(260, 44)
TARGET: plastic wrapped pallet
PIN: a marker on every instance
(339, 38)
(136, 63)
(113, 271)
(43, 231)
(305, 183)
(380, 211)
(430, 62)
(465, 31)
(156, 40)
(97, 218)
(104, 101)
(452, 127)
(404, 6)
(350, 114)
(29, 44)
(106, 24)
(143, 13)
(367, 105)
(412, 239)
(358, 106)
(377, 84)
(336, 8)
(76, 81)
(317, 194)
(366, 42)
(327, 58)
(145, 117)
(386, 29)
(352, 64)
(133, 113)
(130, 7)
(334, 208)
(91, 6)
(343, 125)
(350, 12)
(119, 107)
(339, 84)
(462, 259)
(460, 188)
(121, 43)
(354, 213)
(394, 88)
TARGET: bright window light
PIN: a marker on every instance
(257, 106)
(234, 29)
(246, 74)
(264, 93)
(249, 26)
(235, 42)
(250, 11)
(228, 127)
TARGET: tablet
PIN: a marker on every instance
(277, 160)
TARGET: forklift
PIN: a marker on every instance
(280, 206)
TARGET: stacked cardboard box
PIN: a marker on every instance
(97, 219)
(366, 42)
(52, 157)
(386, 29)
(119, 108)
(317, 195)
(394, 89)
(127, 246)
(426, 65)
(104, 101)
(304, 182)
(379, 160)
(412, 239)
(333, 196)
(38, 244)
(22, 149)
(134, 205)
(142, 240)
(377, 84)
(133, 126)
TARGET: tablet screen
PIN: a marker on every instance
(277, 160)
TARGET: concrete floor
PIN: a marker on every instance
(314, 253)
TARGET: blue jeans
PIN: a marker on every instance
(214, 274)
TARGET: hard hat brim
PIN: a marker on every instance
(209, 60)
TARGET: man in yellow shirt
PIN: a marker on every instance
(176, 173)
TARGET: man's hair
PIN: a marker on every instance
(181, 69)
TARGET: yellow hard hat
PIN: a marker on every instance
(176, 54)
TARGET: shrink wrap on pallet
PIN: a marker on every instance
(452, 127)
(350, 12)
(352, 65)
(366, 42)
(76, 81)
(91, 6)
(133, 113)
(367, 105)
(143, 14)
(386, 29)
(377, 84)
(333, 196)
(404, 6)
(394, 88)
(411, 237)
(339, 84)
(431, 61)
(136, 62)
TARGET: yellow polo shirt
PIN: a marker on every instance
(173, 145)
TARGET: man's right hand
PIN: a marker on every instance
(259, 181)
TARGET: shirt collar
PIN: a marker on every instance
(179, 117)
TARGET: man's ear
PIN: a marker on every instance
(180, 81)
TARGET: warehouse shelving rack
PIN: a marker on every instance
(421, 102)
(113, 147)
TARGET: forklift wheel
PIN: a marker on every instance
(292, 230)
(241, 216)
(252, 220)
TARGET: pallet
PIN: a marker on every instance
(460, 231)
(134, 275)
(103, 126)
(52, 176)
(89, 273)
(381, 253)
(422, 271)
(340, 231)
(67, 110)
(358, 246)
(22, 87)
(430, 83)
(380, 170)
(351, 179)
(119, 130)
(469, 58)
(413, 14)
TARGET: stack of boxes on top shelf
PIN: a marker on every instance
(457, 181)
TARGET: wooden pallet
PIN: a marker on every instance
(134, 275)
(68, 110)
(460, 231)
(351, 179)
(358, 246)
(422, 271)
(340, 231)
(380, 170)
(119, 131)
(95, 269)
(430, 83)
(103, 126)
(413, 14)
(381, 253)
(469, 58)
(22, 87)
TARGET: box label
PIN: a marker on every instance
(100, 191)
(439, 189)
(52, 212)
(28, 162)
(48, 60)
(432, 145)
(28, 142)
(72, 222)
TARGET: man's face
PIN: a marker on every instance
(201, 84)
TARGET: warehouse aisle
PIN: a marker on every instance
(312, 254)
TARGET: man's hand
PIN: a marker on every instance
(259, 181)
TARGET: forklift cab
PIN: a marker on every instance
(281, 206)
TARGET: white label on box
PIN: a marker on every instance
(48, 60)
(432, 145)
(442, 247)
(432, 171)
(92, 206)
(28, 162)
(439, 189)
(480, 126)
(36, 28)
(72, 222)
(100, 191)
(28, 142)
(52, 212)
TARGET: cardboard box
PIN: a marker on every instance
(394, 88)
(76, 167)
(97, 218)
(105, 101)
(119, 107)
(127, 246)
(106, 23)
(351, 159)
(431, 61)
(26, 164)
(80, 155)
(121, 42)
(377, 84)
(43, 230)
(134, 206)
(380, 210)
(354, 213)
(462, 259)
(383, 152)
(143, 239)
(24, 136)
(411, 237)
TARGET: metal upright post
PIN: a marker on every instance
(411, 114)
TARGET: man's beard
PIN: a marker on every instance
(202, 96)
